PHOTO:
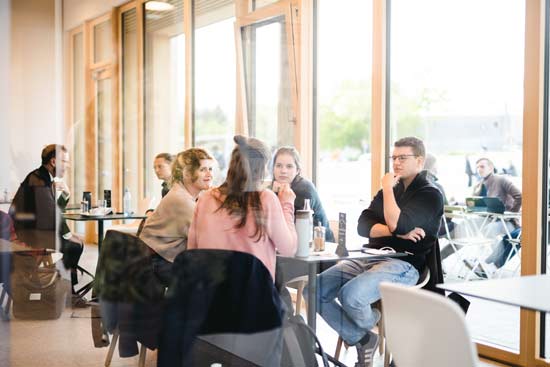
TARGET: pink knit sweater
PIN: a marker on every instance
(213, 229)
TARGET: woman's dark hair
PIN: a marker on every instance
(243, 183)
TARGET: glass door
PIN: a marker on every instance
(268, 67)
(104, 127)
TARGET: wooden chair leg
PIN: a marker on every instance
(387, 358)
(112, 347)
(338, 348)
(382, 345)
(142, 352)
(299, 297)
(300, 302)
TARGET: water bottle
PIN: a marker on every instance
(304, 229)
(127, 202)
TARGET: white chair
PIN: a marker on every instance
(382, 347)
(424, 329)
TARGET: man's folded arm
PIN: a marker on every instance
(426, 209)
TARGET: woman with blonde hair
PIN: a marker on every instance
(240, 215)
(166, 230)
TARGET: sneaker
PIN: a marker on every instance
(79, 302)
(478, 269)
(366, 349)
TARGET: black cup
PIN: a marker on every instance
(107, 197)
(87, 196)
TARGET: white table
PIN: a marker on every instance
(529, 292)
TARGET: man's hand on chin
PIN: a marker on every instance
(389, 180)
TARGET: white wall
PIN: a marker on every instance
(75, 12)
(32, 67)
(4, 91)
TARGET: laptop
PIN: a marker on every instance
(494, 205)
(485, 204)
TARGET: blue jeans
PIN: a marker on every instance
(502, 250)
(355, 285)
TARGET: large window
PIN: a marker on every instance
(344, 107)
(164, 87)
(104, 106)
(77, 117)
(456, 82)
(268, 73)
(215, 81)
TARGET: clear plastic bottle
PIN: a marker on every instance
(127, 202)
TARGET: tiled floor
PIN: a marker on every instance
(68, 342)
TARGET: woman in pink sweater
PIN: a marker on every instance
(241, 216)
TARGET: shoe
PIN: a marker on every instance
(478, 269)
(79, 302)
(366, 349)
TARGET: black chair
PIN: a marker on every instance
(130, 296)
(224, 298)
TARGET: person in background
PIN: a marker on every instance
(34, 212)
(430, 166)
(163, 170)
(493, 185)
(468, 171)
(287, 170)
(166, 229)
(405, 214)
(241, 216)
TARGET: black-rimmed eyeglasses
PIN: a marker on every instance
(402, 157)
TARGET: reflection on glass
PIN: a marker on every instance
(270, 114)
(130, 127)
(78, 112)
(105, 136)
(164, 88)
(344, 108)
(462, 93)
(215, 85)
(102, 41)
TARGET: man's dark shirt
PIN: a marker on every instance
(165, 189)
(34, 210)
(421, 206)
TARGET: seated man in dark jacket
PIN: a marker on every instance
(404, 215)
(36, 206)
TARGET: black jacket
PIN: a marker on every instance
(34, 213)
(216, 292)
(421, 206)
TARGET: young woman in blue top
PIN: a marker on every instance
(287, 169)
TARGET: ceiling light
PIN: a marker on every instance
(158, 6)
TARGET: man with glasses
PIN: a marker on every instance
(404, 215)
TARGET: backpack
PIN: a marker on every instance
(300, 344)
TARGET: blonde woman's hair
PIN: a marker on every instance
(187, 163)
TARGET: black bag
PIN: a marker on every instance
(38, 295)
(300, 344)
